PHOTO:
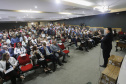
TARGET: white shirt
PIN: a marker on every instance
(23, 43)
(19, 50)
(43, 35)
(34, 41)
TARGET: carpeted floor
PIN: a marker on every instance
(82, 68)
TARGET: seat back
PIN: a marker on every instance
(23, 60)
(61, 46)
(63, 40)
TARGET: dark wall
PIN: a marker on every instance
(12, 25)
(113, 20)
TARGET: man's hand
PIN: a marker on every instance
(14, 67)
(58, 51)
(4, 71)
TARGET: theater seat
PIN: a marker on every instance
(63, 40)
(25, 63)
(61, 45)
(48, 60)
(26, 67)
(66, 51)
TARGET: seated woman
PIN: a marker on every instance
(24, 42)
(8, 62)
(47, 42)
(48, 55)
(19, 50)
(40, 58)
(48, 37)
(39, 44)
(34, 40)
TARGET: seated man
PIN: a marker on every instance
(48, 55)
(14, 40)
(6, 50)
(57, 50)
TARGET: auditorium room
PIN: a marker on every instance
(62, 42)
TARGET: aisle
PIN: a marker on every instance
(82, 67)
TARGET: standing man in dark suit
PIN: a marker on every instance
(106, 45)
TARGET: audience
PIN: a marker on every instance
(41, 44)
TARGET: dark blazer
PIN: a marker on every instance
(42, 50)
(106, 42)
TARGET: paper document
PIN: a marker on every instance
(9, 70)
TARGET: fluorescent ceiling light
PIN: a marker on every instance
(102, 8)
(29, 11)
(80, 2)
(65, 13)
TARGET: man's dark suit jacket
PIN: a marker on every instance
(106, 42)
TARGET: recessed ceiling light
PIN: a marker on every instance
(36, 7)
(58, 1)
(80, 2)
(29, 11)
(65, 13)
(24, 16)
(102, 8)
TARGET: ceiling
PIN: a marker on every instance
(50, 10)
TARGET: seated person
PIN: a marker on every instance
(47, 42)
(6, 50)
(48, 55)
(39, 44)
(43, 35)
(19, 50)
(14, 40)
(6, 40)
(57, 51)
(34, 41)
(29, 47)
(23, 42)
(48, 37)
(40, 58)
(6, 63)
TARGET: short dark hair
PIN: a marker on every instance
(110, 29)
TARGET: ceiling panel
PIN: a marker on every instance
(52, 8)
